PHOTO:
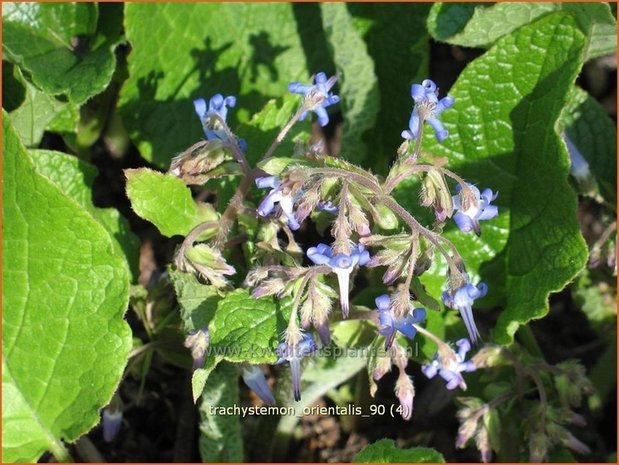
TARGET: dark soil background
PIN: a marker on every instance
(160, 424)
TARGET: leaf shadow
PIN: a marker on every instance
(264, 53)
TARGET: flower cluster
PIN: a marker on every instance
(361, 203)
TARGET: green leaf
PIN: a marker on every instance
(65, 342)
(185, 51)
(201, 375)
(75, 179)
(39, 38)
(502, 135)
(385, 451)
(220, 433)
(399, 28)
(245, 329)
(165, 201)
(358, 86)
(39, 112)
(198, 301)
(58, 22)
(480, 25)
(594, 134)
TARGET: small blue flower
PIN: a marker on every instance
(317, 96)
(579, 167)
(462, 300)
(255, 380)
(450, 367)
(217, 105)
(426, 101)
(476, 207)
(327, 206)
(285, 201)
(294, 355)
(342, 265)
(390, 323)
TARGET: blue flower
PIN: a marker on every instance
(342, 265)
(317, 96)
(294, 355)
(579, 167)
(427, 103)
(451, 365)
(217, 105)
(255, 380)
(327, 206)
(285, 201)
(390, 323)
(473, 206)
(112, 421)
(462, 300)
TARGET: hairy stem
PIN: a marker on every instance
(282, 134)
(365, 181)
(416, 226)
(191, 238)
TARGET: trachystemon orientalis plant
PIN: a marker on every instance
(356, 204)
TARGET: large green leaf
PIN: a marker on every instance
(245, 329)
(64, 292)
(40, 39)
(184, 51)
(502, 135)
(385, 451)
(399, 28)
(358, 86)
(220, 433)
(594, 134)
(481, 24)
(75, 179)
(165, 201)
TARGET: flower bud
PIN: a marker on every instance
(198, 341)
(194, 164)
(435, 192)
(405, 392)
(209, 263)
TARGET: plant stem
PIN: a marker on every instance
(282, 134)
(191, 238)
(416, 226)
(527, 338)
(356, 177)
(59, 451)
